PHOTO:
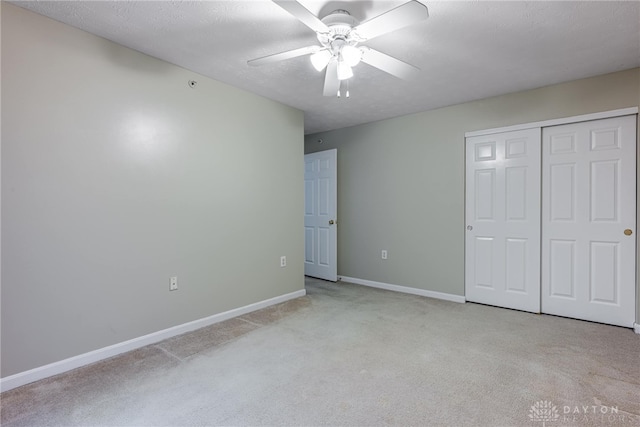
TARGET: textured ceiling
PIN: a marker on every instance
(465, 50)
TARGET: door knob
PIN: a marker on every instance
(628, 232)
(469, 227)
(331, 222)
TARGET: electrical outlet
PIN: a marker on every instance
(384, 254)
(283, 261)
(173, 283)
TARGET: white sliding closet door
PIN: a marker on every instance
(588, 220)
(502, 245)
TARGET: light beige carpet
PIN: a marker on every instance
(350, 355)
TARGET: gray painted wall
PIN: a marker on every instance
(115, 176)
(401, 181)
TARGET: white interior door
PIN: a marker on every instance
(320, 208)
(589, 194)
(502, 245)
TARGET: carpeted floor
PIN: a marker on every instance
(350, 355)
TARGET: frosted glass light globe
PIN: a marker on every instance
(320, 59)
(344, 71)
(351, 55)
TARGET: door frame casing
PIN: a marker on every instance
(554, 122)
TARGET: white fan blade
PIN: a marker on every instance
(303, 15)
(402, 16)
(388, 64)
(331, 82)
(284, 55)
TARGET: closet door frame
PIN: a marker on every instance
(577, 119)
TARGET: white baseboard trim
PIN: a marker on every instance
(74, 362)
(636, 328)
(404, 289)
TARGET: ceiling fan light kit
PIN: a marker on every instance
(351, 55)
(340, 34)
(320, 59)
(344, 70)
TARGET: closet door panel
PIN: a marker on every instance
(502, 247)
(588, 220)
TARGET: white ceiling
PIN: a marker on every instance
(465, 50)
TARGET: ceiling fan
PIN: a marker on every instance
(340, 36)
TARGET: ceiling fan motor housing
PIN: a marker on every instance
(340, 23)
